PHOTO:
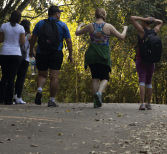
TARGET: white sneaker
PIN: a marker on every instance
(19, 101)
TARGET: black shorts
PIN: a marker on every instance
(100, 71)
(52, 61)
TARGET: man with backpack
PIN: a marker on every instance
(50, 33)
(149, 52)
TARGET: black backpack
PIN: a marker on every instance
(24, 50)
(150, 47)
(48, 39)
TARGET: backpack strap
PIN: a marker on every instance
(146, 33)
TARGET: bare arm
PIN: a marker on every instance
(69, 45)
(84, 30)
(120, 36)
(22, 38)
(29, 37)
(1, 37)
(158, 26)
(135, 19)
(32, 43)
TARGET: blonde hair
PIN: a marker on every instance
(100, 13)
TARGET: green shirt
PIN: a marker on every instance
(98, 54)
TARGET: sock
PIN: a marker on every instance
(15, 96)
(100, 93)
(39, 89)
(52, 99)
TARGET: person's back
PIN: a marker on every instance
(98, 36)
(98, 57)
(11, 45)
(62, 29)
(50, 59)
(145, 69)
(11, 34)
(22, 71)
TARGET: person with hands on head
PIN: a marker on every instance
(98, 57)
(50, 59)
(145, 70)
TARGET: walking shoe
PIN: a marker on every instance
(95, 105)
(19, 101)
(38, 98)
(52, 104)
(142, 107)
(148, 106)
(98, 98)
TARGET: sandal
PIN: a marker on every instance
(148, 106)
(142, 107)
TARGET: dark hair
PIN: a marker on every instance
(26, 24)
(100, 13)
(146, 16)
(15, 17)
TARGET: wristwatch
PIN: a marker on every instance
(151, 19)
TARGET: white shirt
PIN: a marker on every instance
(11, 45)
(27, 46)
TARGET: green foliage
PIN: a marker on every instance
(74, 81)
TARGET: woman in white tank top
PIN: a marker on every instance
(22, 71)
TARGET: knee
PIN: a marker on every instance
(43, 75)
(148, 85)
(142, 84)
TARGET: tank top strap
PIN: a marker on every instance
(98, 27)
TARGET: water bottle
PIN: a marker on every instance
(33, 66)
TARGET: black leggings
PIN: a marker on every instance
(9, 65)
(21, 75)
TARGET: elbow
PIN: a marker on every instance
(132, 18)
(122, 38)
(161, 22)
(76, 34)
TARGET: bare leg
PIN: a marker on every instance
(54, 74)
(103, 85)
(95, 85)
(42, 76)
(142, 93)
(149, 94)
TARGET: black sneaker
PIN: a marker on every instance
(52, 104)
(38, 98)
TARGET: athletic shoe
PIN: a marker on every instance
(19, 101)
(98, 99)
(52, 104)
(38, 98)
(142, 107)
(148, 106)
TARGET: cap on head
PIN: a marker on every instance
(53, 9)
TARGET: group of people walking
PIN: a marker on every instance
(97, 56)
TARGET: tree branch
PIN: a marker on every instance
(35, 16)
(23, 5)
